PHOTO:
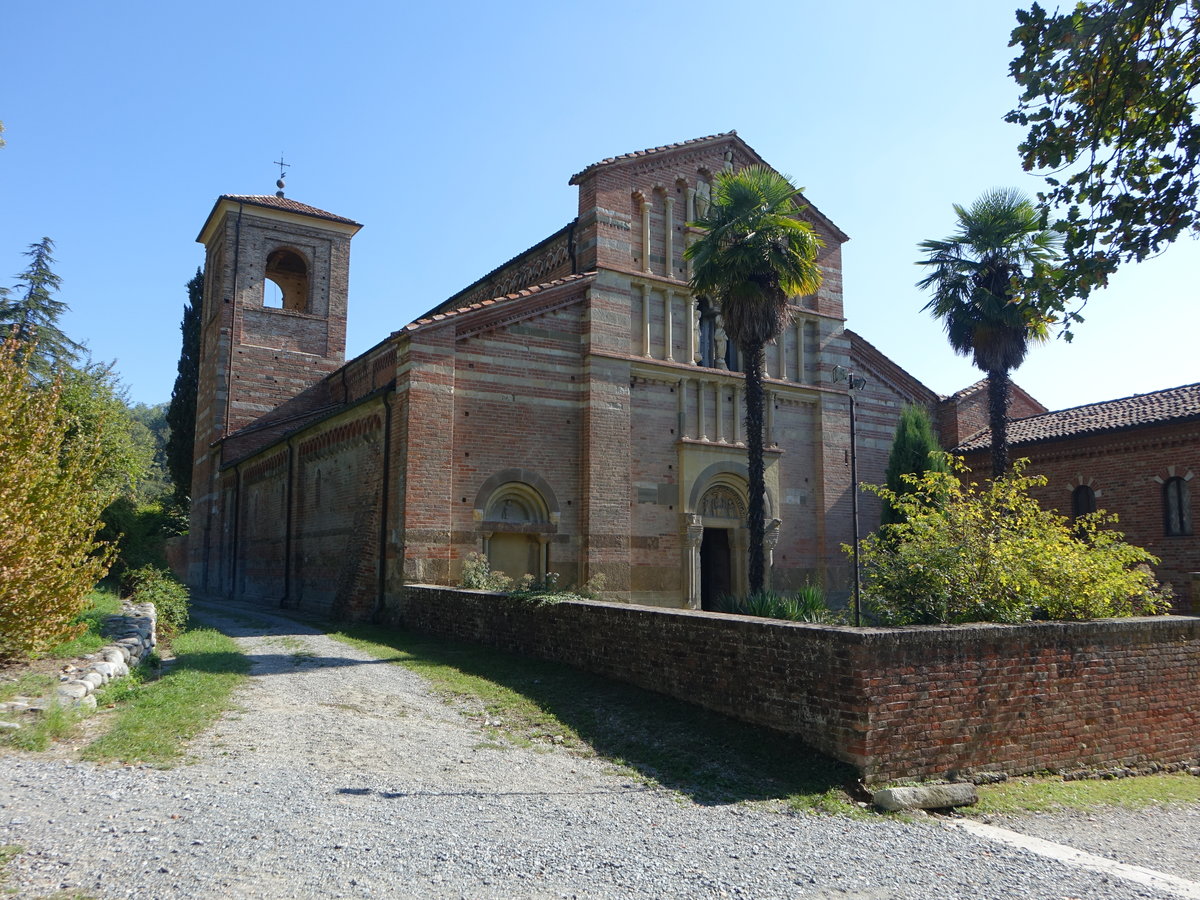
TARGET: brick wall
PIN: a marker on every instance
(896, 703)
(965, 413)
(1126, 470)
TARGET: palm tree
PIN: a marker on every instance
(756, 252)
(982, 277)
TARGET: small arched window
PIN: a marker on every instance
(1177, 513)
(287, 277)
(1083, 501)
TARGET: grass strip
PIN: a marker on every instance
(155, 718)
(37, 734)
(1046, 794)
(704, 755)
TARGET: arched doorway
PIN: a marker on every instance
(516, 523)
(716, 568)
(716, 543)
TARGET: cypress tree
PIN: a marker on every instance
(181, 414)
(911, 448)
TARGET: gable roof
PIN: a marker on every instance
(1178, 404)
(901, 381)
(438, 315)
(271, 201)
(651, 151)
(731, 136)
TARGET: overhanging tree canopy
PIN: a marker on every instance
(1109, 97)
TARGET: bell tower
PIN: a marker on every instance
(273, 323)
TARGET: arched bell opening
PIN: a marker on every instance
(286, 283)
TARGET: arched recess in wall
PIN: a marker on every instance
(517, 514)
(286, 280)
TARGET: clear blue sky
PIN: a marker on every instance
(450, 131)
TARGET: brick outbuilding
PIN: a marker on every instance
(1137, 457)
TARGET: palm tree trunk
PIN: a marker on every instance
(752, 357)
(999, 387)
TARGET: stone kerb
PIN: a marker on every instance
(896, 703)
(135, 636)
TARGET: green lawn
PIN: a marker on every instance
(154, 718)
(1018, 795)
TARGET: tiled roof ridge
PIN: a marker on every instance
(1100, 403)
(508, 262)
(271, 201)
(650, 151)
(482, 304)
(1132, 411)
(916, 384)
(982, 384)
(968, 390)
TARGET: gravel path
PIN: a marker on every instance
(344, 777)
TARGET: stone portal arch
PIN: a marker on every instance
(517, 514)
(717, 536)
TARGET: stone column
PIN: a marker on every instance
(681, 390)
(800, 351)
(668, 353)
(737, 414)
(694, 331)
(646, 320)
(543, 555)
(669, 237)
(693, 534)
(645, 234)
(769, 400)
(770, 541)
(720, 407)
(701, 430)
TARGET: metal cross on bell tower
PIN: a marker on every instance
(282, 165)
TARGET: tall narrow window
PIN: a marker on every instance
(1177, 513)
(1083, 501)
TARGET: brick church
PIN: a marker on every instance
(575, 410)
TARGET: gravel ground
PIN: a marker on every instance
(343, 777)
(1164, 839)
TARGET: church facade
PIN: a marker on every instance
(575, 411)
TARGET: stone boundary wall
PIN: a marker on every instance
(135, 633)
(896, 703)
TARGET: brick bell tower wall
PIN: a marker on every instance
(254, 355)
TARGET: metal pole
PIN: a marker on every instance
(854, 504)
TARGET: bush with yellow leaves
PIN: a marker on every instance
(51, 497)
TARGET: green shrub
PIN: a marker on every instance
(477, 575)
(52, 491)
(168, 594)
(966, 553)
(808, 604)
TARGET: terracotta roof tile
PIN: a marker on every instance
(515, 295)
(650, 152)
(272, 202)
(1170, 405)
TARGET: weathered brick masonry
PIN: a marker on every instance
(895, 703)
(576, 410)
(1123, 453)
